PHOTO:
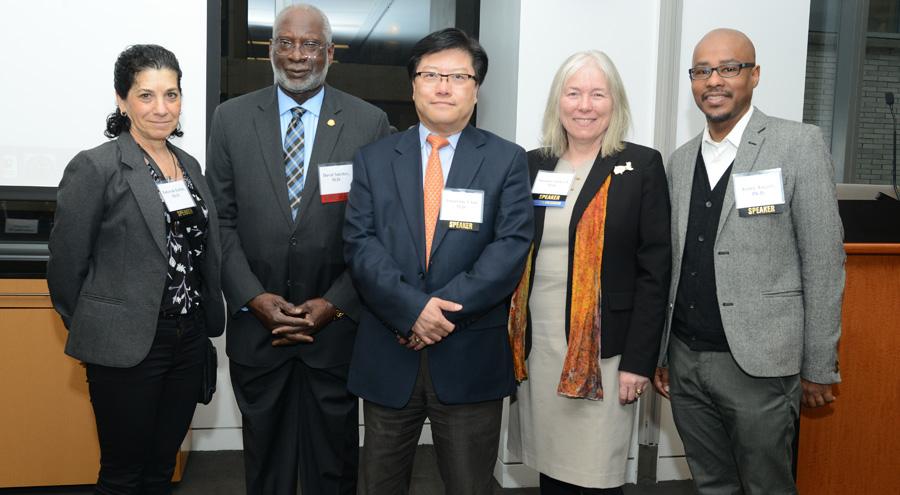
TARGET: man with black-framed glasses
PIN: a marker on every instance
(279, 169)
(439, 222)
(757, 279)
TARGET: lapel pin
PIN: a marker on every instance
(330, 122)
(621, 169)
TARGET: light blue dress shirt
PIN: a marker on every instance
(446, 153)
(310, 119)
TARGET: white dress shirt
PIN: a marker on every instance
(718, 155)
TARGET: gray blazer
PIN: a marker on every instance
(779, 277)
(265, 250)
(108, 254)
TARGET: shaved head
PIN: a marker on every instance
(724, 99)
(738, 41)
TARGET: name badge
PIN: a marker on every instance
(334, 181)
(462, 209)
(551, 188)
(759, 193)
(177, 197)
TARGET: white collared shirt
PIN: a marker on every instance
(446, 153)
(718, 156)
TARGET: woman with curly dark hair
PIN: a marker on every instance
(134, 274)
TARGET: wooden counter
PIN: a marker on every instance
(852, 445)
(47, 430)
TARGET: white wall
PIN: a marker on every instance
(498, 96)
(57, 85)
(527, 41)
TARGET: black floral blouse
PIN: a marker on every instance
(185, 241)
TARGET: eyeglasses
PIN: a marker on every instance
(284, 46)
(724, 70)
(457, 79)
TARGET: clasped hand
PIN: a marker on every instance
(291, 324)
(431, 326)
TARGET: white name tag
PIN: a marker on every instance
(759, 193)
(176, 195)
(462, 209)
(334, 181)
(551, 188)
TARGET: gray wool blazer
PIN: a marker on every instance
(779, 277)
(108, 254)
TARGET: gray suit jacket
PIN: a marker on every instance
(264, 250)
(108, 254)
(779, 277)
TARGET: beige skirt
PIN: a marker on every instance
(578, 441)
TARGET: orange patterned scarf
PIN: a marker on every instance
(580, 377)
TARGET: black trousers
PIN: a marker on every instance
(553, 486)
(297, 417)
(144, 412)
(466, 440)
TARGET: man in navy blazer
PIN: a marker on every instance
(432, 338)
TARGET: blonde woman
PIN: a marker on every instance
(589, 311)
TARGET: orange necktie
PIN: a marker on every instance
(434, 184)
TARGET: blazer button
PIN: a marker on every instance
(293, 241)
(288, 283)
(421, 275)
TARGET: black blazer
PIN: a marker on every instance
(634, 278)
(264, 249)
(108, 254)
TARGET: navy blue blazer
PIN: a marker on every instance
(384, 244)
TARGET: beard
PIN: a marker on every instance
(723, 117)
(314, 80)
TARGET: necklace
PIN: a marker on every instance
(175, 166)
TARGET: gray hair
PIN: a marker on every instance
(326, 26)
(553, 134)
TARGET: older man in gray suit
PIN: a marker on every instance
(279, 168)
(757, 263)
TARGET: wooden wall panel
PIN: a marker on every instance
(853, 444)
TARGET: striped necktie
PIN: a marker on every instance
(293, 159)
